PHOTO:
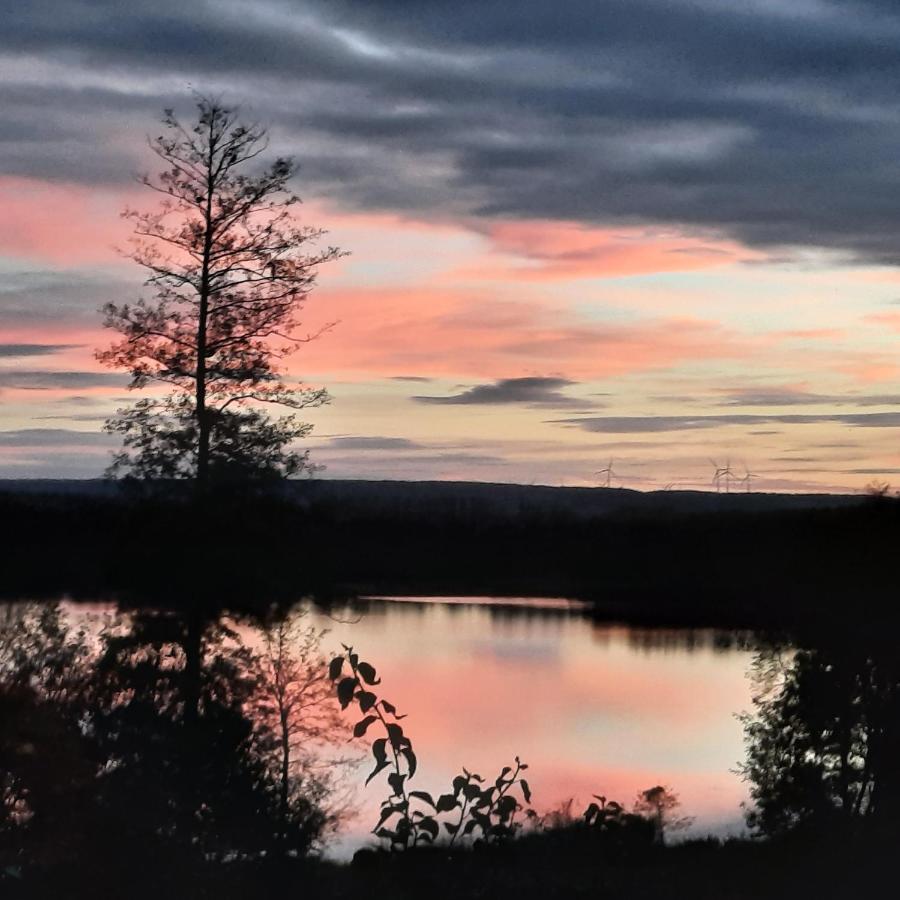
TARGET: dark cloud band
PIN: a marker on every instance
(535, 392)
(645, 424)
(13, 351)
(34, 380)
(769, 123)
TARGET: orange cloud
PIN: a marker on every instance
(810, 334)
(547, 250)
(61, 224)
(889, 319)
(870, 371)
(434, 322)
(433, 331)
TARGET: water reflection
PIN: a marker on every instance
(161, 734)
(593, 707)
(202, 736)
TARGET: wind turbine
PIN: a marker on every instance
(608, 472)
(747, 479)
(717, 477)
(727, 474)
(722, 472)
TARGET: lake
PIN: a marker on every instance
(594, 709)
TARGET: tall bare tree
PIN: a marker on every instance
(230, 267)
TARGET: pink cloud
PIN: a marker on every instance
(463, 333)
(434, 331)
(810, 334)
(546, 250)
(888, 319)
(449, 326)
(61, 224)
(869, 370)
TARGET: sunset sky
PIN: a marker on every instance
(656, 231)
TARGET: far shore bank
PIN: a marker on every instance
(667, 558)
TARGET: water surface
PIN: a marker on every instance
(593, 709)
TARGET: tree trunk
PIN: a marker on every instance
(285, 776)
(203, 423)
(193, 651)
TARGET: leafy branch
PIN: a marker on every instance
(486, 811)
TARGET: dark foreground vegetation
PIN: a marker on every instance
(165, 754)
(166, 757)
(567, 864)
(719, 567)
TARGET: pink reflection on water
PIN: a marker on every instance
(592, 709)
(537, 603)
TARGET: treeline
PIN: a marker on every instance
(767, 568)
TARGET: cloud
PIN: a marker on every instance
(646, 424)
(81, 400)
(38, 380)
(53, 437)
(373, 443)
(46, 298)
(772, 123)
(428, 459)
(12, 351)
(460, 332)
(64, 224)
(533, 392)
(75, 417)
(576, 142)
(797, 397)
(546, 250)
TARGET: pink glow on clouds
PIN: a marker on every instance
(441, 327)
(79, 340)
(568, 250)
(871, 371)
(444, 332)
(75, 225)
(71, 224)
(467, 299)
(61, 224)
(810, 334)
(885, 319)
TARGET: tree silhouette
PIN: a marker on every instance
(47, 766)
(179, 771)
(229, 266)
(658, 805)
(298, 723)
(116, 749)
(823, 741)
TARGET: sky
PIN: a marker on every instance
(657, 232)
